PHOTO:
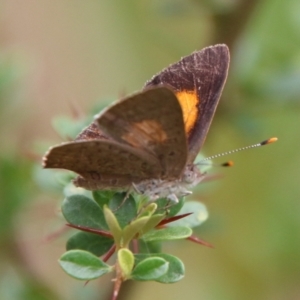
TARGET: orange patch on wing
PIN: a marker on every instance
(145, 133)
(189, 101)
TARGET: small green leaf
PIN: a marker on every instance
(83, 265)
(172, 209)
(132, 229)
(170, 233)
(125, 211)
(113, 225)
(48, 179)
(176, 267)
(93, 243)
(126, 262)
(148, 210)
(83, 211)
(153, 221)
(198, 216)
(68, 127)
(151, 268)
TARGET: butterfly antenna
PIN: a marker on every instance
(230, 163)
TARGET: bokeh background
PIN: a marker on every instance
(66, 57)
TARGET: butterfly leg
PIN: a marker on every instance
(135, 188)
(173, 198)
(128, 192)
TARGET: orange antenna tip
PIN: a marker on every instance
(228, 164)
(269, 141)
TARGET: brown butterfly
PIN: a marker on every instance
(149, 140)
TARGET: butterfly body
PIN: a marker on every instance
(171, 189)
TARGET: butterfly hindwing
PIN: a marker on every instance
(103, 161)
(152, 122)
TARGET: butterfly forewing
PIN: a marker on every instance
(197, 80)
(91, 132)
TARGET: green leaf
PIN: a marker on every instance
(148, 210)
(47, 179)
(126, 262)
(83, 265)
(125, 211)
(172, 209)
(152, 222)
(93, 243)
(70, 189)
(103, 197)
(176, 267)
(83, 211)
(170, 233)
(198, 216)
(132, 229)
(149, 247)
(113, 225)
(151, 268)
(68, 127)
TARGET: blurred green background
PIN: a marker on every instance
(63, 57)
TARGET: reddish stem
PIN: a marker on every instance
(199, 241)
(109, 253)
(172, 219)
(92, 230)
(135, 246)
(118, 283)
